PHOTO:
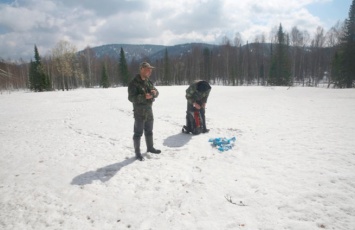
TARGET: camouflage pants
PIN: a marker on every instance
(143, 122)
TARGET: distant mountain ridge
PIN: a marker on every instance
(136, 52)
(141, 52)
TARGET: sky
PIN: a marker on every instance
(25, 23)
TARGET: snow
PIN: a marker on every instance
(67, 161)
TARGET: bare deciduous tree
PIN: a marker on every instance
(65, 65)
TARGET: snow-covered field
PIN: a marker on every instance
(67, 161)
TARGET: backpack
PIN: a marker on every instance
(193, 123)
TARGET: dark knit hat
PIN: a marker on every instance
(203, 86)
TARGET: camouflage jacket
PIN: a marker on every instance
(137, 89)
(193, 95)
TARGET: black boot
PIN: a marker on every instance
(204, 129)
(150, 148)
(137, 149)
(185, 129)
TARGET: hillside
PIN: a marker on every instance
(151, 52)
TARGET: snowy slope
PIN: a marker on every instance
(67, 161)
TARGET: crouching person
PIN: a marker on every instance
(196, 95)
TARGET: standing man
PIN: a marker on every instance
(142, 93)
(196, 95)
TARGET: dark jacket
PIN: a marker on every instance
(137, 89)
(198, 92)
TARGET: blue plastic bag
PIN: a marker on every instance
(222, 143)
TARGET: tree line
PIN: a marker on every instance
(282, 59)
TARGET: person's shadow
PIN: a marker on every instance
(177, 140)
(106, 173)
(102, 174)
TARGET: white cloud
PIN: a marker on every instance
(95, 23)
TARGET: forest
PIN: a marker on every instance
(293, 58)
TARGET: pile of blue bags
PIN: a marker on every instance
(222, 143)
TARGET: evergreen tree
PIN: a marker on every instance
(343, 63)
(104, 83)
(206, 64)
(336, 72)
(32, 76)
(167, 74)
(123, 69)
(39, 81)
(280, 69)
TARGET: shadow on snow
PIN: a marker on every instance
(102, 174)
(177, 140)
(106, 173)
